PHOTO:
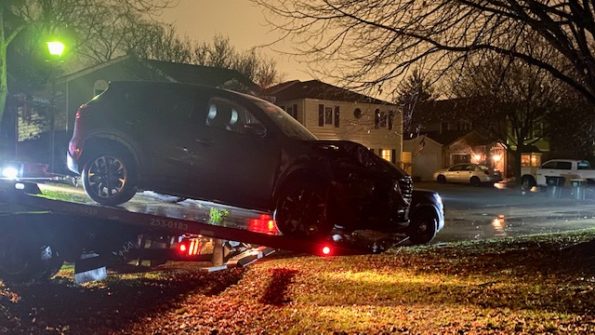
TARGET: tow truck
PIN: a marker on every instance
(40, 231)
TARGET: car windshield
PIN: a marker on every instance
(583, 165)
(288, 125)
(484, 168)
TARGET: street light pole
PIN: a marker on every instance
(56, 49)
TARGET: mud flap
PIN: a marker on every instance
(90, 267)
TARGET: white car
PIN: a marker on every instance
(474, 174)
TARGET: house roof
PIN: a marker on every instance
(444, 110)
(199, 74)
(316, 89)
(472, 138)
(176, 72)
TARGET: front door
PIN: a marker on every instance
(236, 159)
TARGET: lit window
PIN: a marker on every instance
(387, 154)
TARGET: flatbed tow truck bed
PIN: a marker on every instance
(33, 222)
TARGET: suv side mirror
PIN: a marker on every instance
(257, 129)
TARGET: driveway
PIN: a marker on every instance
(474, 213)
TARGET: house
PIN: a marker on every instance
(448, 123)
(335, 113)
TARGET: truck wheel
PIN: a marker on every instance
(528, 182)
(302, 210)
(27, 261)
(423, 225)
(109, 178)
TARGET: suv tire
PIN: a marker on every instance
(110, 178)
(302, 210)
(423, 226)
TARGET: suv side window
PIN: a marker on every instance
(226, 114)
(564, 166)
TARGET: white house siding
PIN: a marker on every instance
(426, 157)
(360, 130)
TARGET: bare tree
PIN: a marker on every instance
(511, 102)
(221, 53)
(149, 40)
(416, 89)
(81, 20)
(373, 42)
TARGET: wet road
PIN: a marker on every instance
(474, 213)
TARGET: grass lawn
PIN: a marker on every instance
(537, 284)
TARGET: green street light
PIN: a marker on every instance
(56, 48)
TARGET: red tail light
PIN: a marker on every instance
(326, 250)
(189, 247)
(263, 224)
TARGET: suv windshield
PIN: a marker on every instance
(288, 125)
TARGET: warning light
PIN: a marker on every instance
(271, 225)
(326, 250)
(263, 224)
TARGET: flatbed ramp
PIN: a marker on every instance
(175, 225)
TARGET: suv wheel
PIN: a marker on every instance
(423, 225)
(109, 178)
(302, 210)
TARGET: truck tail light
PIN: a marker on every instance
(189, 247)
(326, 250)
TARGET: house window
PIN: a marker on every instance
(328, 116)
(357, 113)
(391, 117)
(379, 119)
(463, 125)
(386, 154)
(531, 159)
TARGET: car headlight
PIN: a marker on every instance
(10, 172)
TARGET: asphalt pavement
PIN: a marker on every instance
(474, 213)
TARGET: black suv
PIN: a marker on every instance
(223, 146)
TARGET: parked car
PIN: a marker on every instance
(474, 174)
(223, 146)
(566, 169)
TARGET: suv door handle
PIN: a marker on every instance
(204, 141)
